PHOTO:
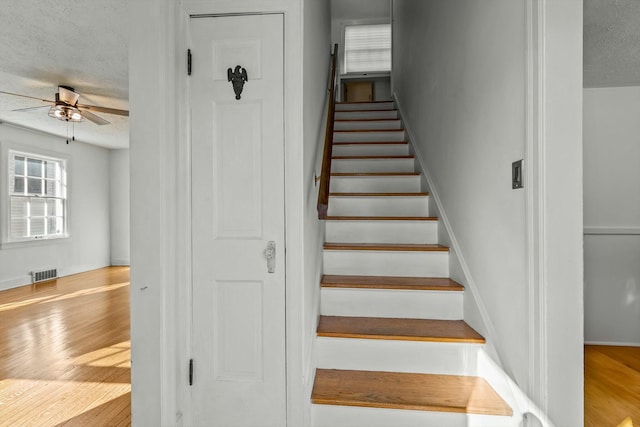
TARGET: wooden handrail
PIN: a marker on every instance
(325, 173)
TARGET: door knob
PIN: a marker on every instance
(270, 255)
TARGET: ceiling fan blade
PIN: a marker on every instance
(93, 118)
(27, 96)
(32, 108)
(84, 107)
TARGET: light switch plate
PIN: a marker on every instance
(516, 175)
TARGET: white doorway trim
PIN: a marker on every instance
(535, 201)
(554, 207)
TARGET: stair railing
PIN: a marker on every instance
(325, 173)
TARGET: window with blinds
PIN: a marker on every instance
(367, 48)
(37, 197)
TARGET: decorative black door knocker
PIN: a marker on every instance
(237, 78)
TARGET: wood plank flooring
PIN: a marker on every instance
(65, 358)
(65, 352)
(611, 385)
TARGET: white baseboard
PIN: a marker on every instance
(25, 280)
(15, 282)
(120, 262)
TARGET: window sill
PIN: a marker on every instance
(35, 242)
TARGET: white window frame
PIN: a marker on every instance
(8, 150)
(343, 47)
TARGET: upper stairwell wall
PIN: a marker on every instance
(459, 77)
(460, 70)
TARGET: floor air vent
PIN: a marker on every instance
(44, 275)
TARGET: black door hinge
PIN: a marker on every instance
(190, 371)
(188, 62)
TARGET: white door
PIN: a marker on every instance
(237, 209)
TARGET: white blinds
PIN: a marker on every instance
(367, 48)
(37, 197)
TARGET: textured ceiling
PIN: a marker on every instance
(77, 43)
(611, 43)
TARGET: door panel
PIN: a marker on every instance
(237, 209)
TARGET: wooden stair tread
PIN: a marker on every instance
(390, 282)
(359, 110)
(370, 142)
(367, 119)
(395, 390)
(375, 174)
(408, 247)
(356, 110)
(416, 194)
(362, 102)
(450, 331)
(371, 157)
(381, 218)
(367, 130)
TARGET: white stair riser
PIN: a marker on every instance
(397, 356)
(365, 106)
(379, 206)
(366, 124)
(386, 263)
(375, 184)
(366, 115)
(354, 416)
(383, 231)
(371, 150)
(373, 165)
(443, 305)
(378, 136)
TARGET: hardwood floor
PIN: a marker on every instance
(65, 352)
(611, 385)
(65, 358)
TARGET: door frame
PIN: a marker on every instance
(294, 273)
(554, 207)
(160, 153)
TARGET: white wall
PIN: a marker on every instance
(119, 206)
(611, 206)
(88, 222)
(316, 64)
(460, 74)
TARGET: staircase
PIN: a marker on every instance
(392, 349)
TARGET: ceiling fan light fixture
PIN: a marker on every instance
(65, 113)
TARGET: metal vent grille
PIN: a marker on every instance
(44, 275)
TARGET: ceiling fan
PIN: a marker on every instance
(66, 107)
